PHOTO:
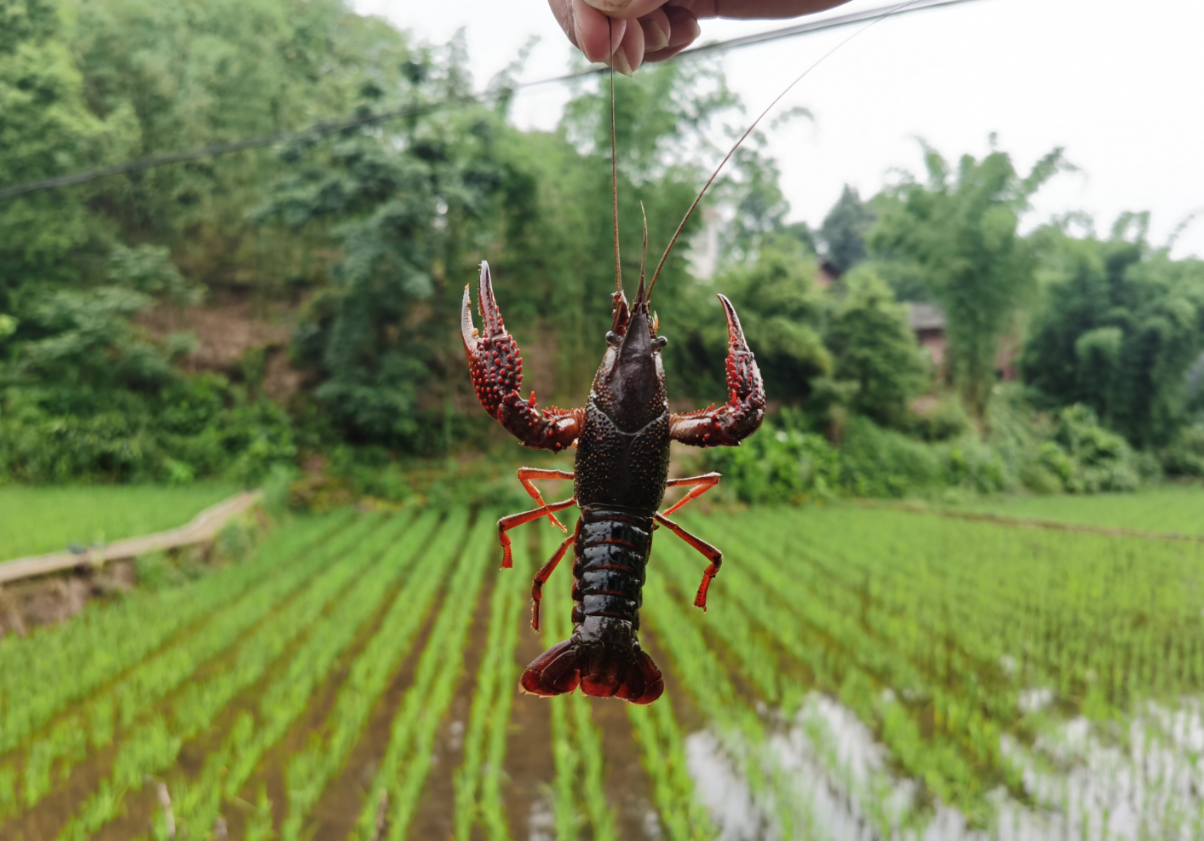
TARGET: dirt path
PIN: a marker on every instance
(1028, 522)
(204, 526)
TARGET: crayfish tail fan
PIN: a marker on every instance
(643, 682)
(555, 672)
(566, 665)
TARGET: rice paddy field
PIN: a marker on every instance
(35, 520)
(1160, 508)
(861, 674)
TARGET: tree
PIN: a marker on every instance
(844, 229)
(46, 130)
(1118, 331)
(189, 75)
(405, 204)
(960, 230)
(875, 348)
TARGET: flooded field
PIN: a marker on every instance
(859, 675)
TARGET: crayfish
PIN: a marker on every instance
(621, 472)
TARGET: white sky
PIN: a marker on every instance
(1119, 84)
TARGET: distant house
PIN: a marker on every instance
(826, 274)
(927, 321)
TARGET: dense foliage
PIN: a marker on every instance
(960, 229)
(1119, 330)
(352, 249)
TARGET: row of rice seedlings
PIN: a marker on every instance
(310, 771)
(226, 771)
(478, 781)
(576, 741)
(889, 658)
(864, 668)
(96, 724)
(1052, 608)
(738, 597)
(1074, 612)
(664, 758)
(67, 662)
(404, 768)
(154, 745)
(753, 655)
(1167, 509)
(740, 730)
(1102, 621)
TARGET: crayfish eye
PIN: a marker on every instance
(613, 339)
(659, 342)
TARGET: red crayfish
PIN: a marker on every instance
(622, 467)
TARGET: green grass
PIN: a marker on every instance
(36, 520)
(965, 653)
(1162, 508)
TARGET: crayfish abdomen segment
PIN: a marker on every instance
(603, 656)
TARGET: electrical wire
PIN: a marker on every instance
(325, 128)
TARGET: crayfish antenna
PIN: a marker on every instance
(749, 131)
(640, 296)
(614, 170)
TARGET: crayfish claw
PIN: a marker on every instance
(745, 407)
(468, 332)
(488, 305)
(735, 333)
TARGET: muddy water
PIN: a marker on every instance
(1085, 782)
(528, 765)
(436, 815)
(627, 785)
(335, 813)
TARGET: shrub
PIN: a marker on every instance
(1185, 455)
(1087, 457)
(781, 462)
(190, 428)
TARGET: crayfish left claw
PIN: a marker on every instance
(735, 333)
(728, 425)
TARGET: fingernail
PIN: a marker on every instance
(695, 31)
(620, 63)
(656, 36)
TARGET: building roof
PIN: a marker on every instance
(926, 316)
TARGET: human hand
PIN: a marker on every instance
(626, 33)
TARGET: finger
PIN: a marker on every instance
(630, 54)
(562, 10)
(656, 31)
(626, 9)
(663, 55)
(683, 28)
(596, 35)
(759, 9)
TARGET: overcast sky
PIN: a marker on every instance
(1119, 85)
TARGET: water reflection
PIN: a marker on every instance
(821, 775)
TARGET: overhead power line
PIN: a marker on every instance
(334, 127)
